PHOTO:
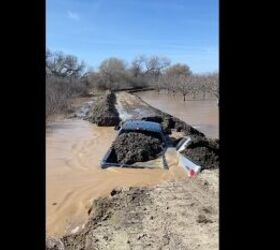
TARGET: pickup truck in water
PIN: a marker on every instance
(151, 129)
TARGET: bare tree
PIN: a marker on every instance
(178, 69)
(61, 65)
(137, 66)
(184, 85)
(214, 85)
(65, 78)
(172, 75)
(194, 85)
(112, 72)
(154, 67)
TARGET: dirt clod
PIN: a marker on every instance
(203, 219)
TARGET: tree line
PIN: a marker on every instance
(66, 77)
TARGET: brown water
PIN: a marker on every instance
(74, 149)
(74, 177)
(203, 115)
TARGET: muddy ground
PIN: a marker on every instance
(174, 215)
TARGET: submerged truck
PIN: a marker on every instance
(134, 125)
(154, 129)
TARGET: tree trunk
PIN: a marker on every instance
(204, 94)
(184, 98)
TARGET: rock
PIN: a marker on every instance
(202, 219)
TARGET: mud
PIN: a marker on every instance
(137, 146)
(104, 112)
(203, 151)
(173, 215)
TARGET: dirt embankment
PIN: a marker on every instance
(104, 112)
(131, 106)
(174, 215)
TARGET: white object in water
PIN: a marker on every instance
(75, 230)
(184, 145)
(191, 167)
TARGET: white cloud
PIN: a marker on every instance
(73, 15)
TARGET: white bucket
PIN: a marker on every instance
(192, 168)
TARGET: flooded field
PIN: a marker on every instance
(74, 177)
(202, 114)
(75, 147)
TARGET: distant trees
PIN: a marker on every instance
(112, 73)
(65, 77)
(176, 76)
(143, 71)
(61, 65)
(213, 83)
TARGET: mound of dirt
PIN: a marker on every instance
(138, 146)
(203, 151)
(136, 218)
(180, 125)
(169, 122)
(104, 112)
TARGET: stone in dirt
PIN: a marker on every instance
(104, 112)
(137, 146)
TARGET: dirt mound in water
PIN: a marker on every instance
(134, 147)
(104, 112)
(169, 122)
(203, 151)
(180, 125)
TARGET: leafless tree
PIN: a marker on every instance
(184, 85)
(194, 85)
(154, 67)
(112, 72)
(65, 78)
(214, 85)
(137, 66)
(172, 75)
(61, 65)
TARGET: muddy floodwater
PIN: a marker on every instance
(201, 114)
(74, 178)
(74, 148)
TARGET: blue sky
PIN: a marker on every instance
(186, 31)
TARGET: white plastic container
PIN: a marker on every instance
(192, 168)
